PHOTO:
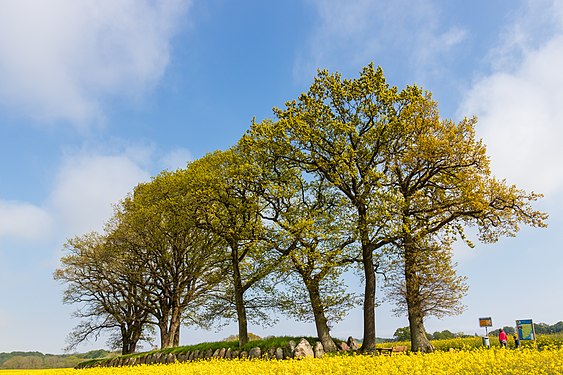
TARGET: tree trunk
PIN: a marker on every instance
(164, 335)
(239, 298)
(419, 341)
(323, 332)
(130, 336)
(125, 340)
(170, 331)
(369, 291)
(369, 301)
(177, 336)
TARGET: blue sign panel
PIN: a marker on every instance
(525, 329)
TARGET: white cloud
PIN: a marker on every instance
(177, 158)
(87, 187)
(60, 59)
(23, 220)
(366, 30)
(519, 107)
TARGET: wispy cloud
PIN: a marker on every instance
(23, 220)
(519, 104)
(61, 59)
(88, 185)
(177, 158)
(359, 31)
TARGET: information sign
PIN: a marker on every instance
(486, 322)
(525, 329)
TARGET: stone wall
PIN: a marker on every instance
(292, 350)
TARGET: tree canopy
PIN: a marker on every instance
(353, 172)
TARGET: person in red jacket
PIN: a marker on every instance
(502, 338)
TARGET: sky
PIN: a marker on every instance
(97, 96)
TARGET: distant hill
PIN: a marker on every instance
(36, 360)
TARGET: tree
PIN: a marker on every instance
(155, 226)
(439, 173)
(108, 286)
(340, 130)
(439, 289)
(402, 334)
(226, 205)
(308, 224)
(444, 335)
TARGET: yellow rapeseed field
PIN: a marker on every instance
(482, 361)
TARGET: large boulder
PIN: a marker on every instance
(319, 350)
(208, 353)
(303, 350)
(255, 353)
(279, 353)
(272, 353)
(222, 352)
(353, 344)
(288, 349)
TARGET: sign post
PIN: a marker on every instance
(486, 322)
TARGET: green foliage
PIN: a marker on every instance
(251, 337)
(37, 360)
(402, 334)
(354, 171)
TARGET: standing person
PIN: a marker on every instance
(516, 340)
(502, 338)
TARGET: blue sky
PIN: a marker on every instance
(97, 96)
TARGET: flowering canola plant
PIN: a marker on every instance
(481, 361)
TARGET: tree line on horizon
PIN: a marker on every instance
(355, 176)
(403, 333)
(38, 360)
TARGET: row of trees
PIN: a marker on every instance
(539, 328)
(353, 174)
(37, 360)
(404, 334)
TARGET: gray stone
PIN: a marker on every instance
(221, 353)
(288, 349)
(228, 354)
(255, 353)
(216, 353)
(208, 353)
(303, 350)
(319, 350)
(235, 354)
(171, 358)
(243, 355)
(271, 353)
(352, 343)
(279, 353)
